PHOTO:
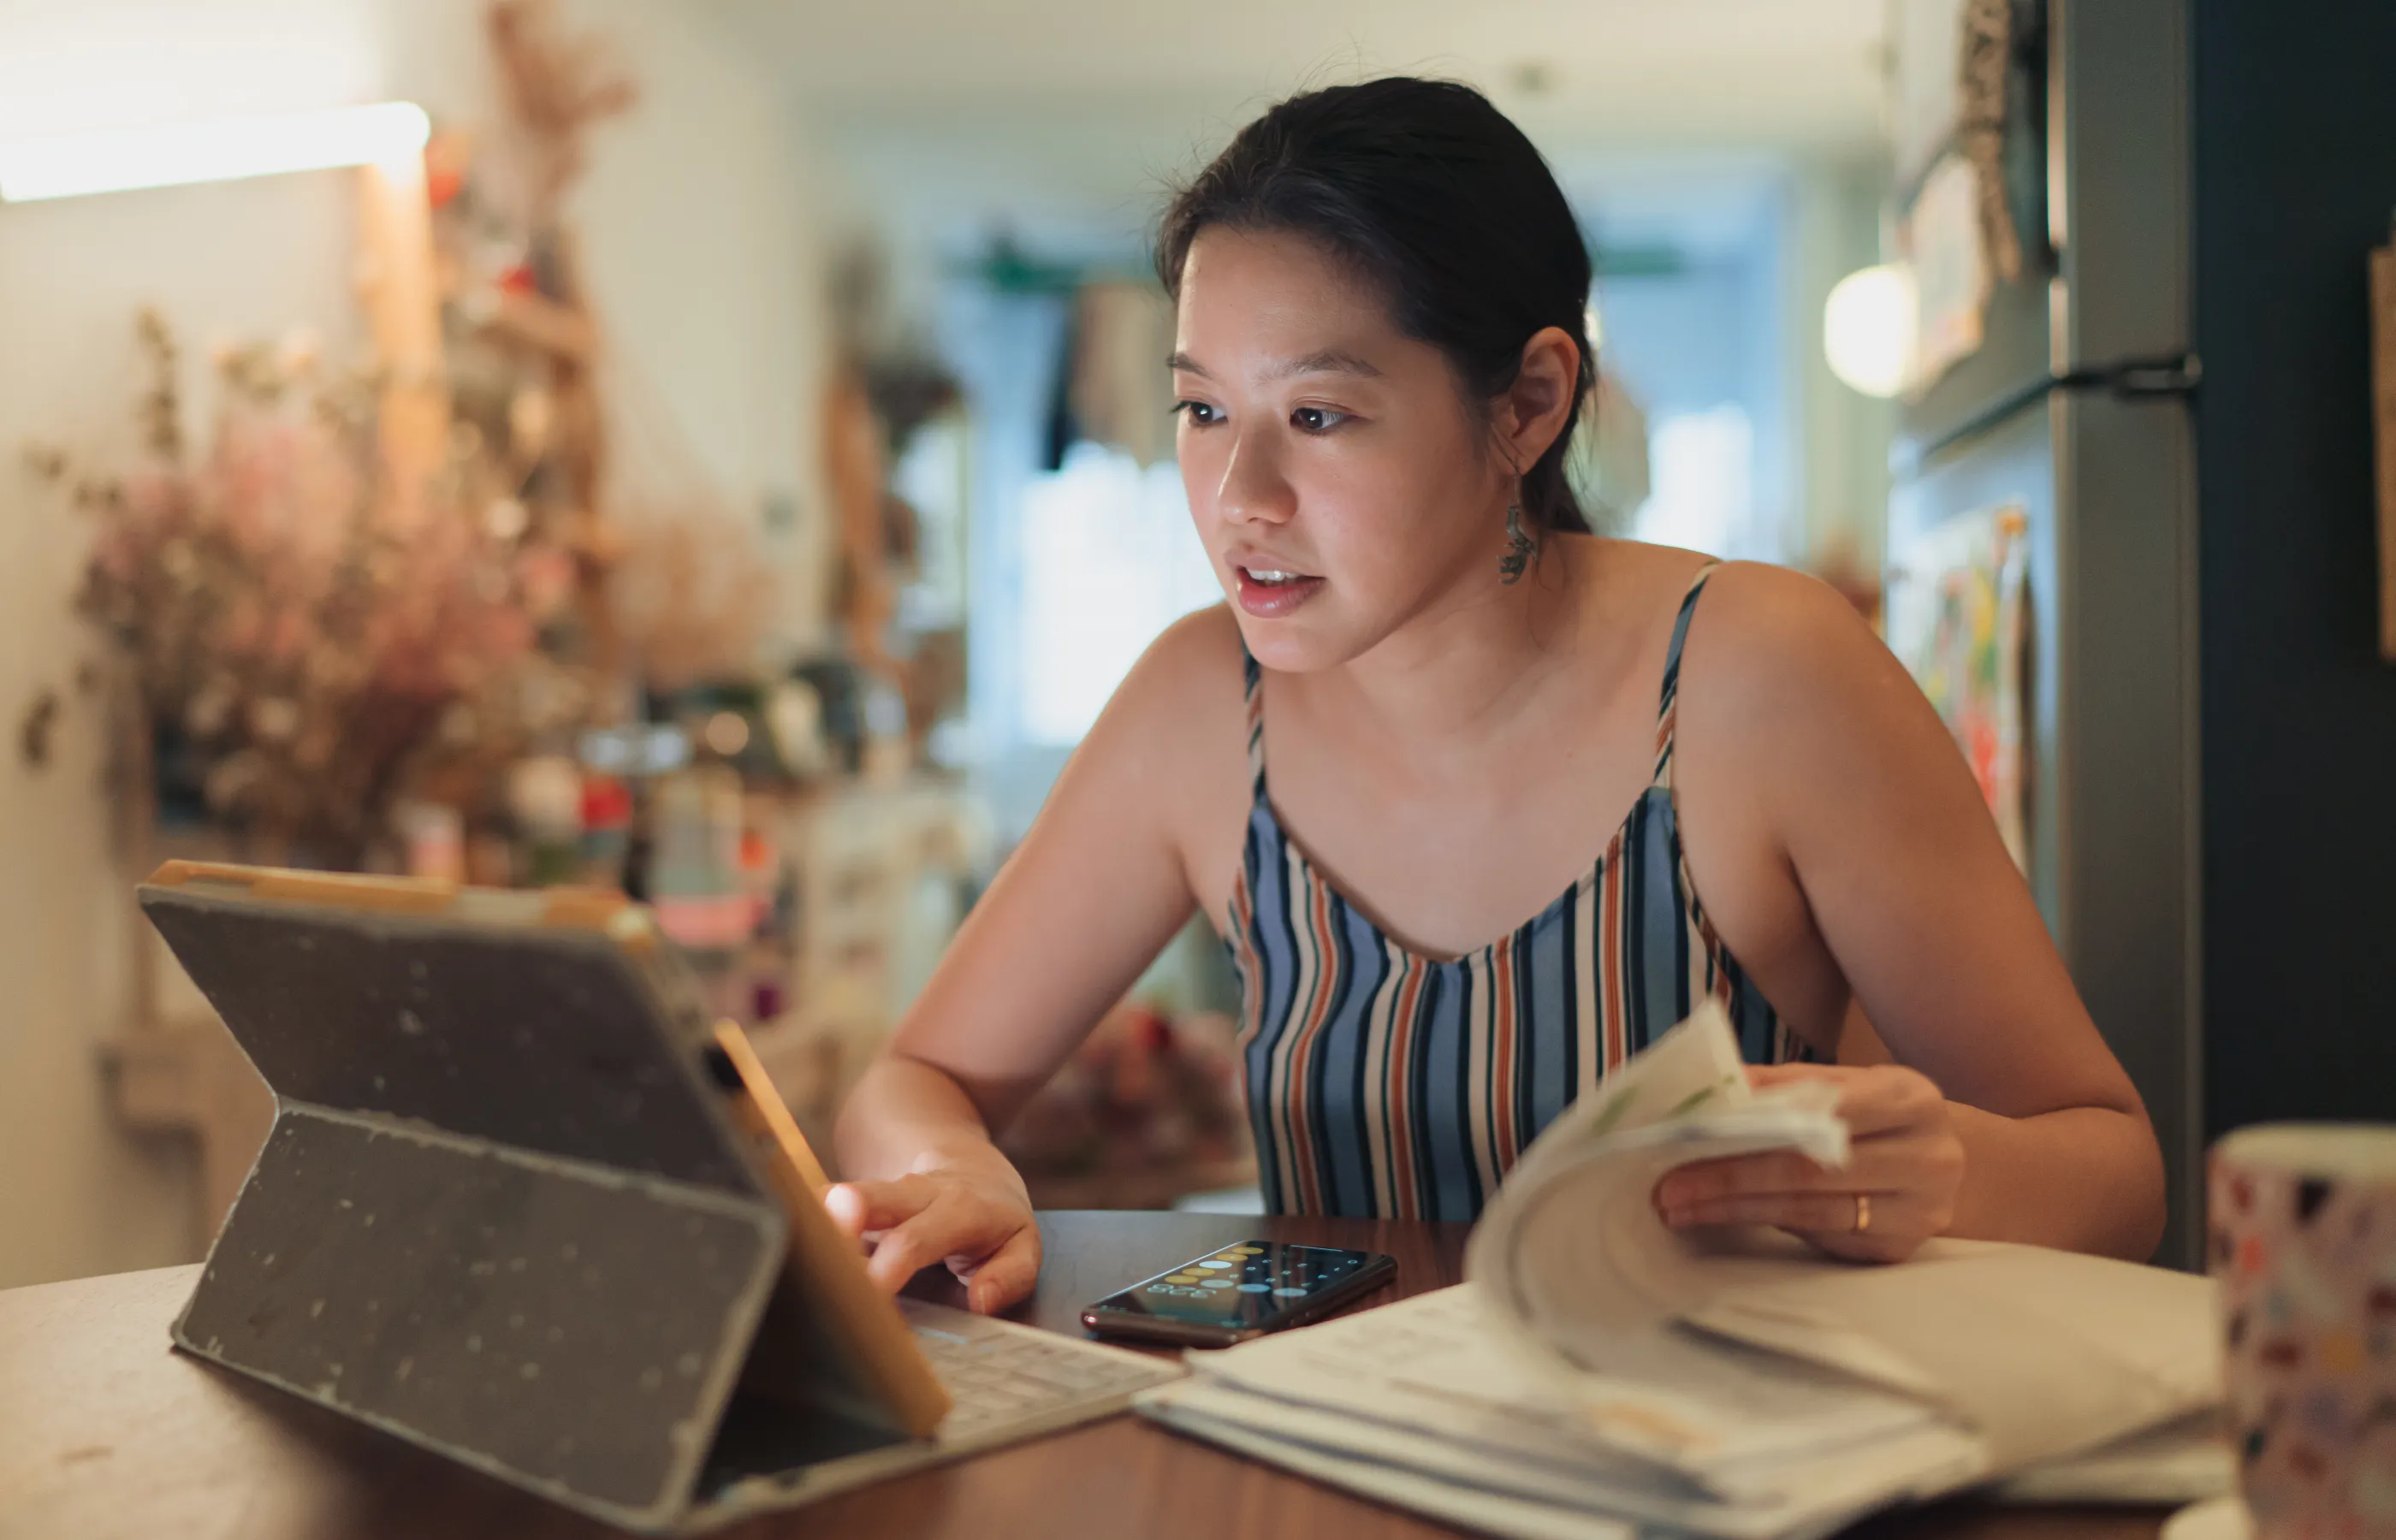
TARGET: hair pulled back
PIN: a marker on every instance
(1429, 192)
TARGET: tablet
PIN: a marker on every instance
(524, 1200)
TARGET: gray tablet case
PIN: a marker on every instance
(501, 1213)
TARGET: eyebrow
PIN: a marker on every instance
(1323, 360)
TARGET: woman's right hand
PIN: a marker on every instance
(974, 1216)
(1163, 771)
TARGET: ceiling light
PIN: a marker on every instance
(1867, 329)
(117, 160)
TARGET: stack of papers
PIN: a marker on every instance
(1598, 1372)
(1713, 1445)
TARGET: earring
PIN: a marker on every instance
(1519, 546)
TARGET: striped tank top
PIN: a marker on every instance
(1384, 1084)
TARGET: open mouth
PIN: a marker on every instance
(1268, 592)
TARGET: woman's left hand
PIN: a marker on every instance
(1897, 1190)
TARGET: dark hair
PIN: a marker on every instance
(1434, 196)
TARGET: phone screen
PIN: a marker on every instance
(1242, 1288)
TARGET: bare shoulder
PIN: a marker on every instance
(1793, 711)
(1769, 645)
(1170, 750)
(1814, 781)
(1190, 683)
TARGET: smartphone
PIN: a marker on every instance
(1240, 1292)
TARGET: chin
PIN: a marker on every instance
(1301, 643)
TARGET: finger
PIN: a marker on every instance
(1872, 1098)
(909, 1249)
(1811, 1213)
(1762, 1075)
(1873, 1245)
(1889, 1101)
(1890, 1162)
(1864, 1094)
(1912, 1177)
(858, 1207)
(1775, 1171)
(960, 1232)
(1007, 1275)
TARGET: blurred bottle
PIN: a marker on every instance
(607, 830)
(433, 841)
(695, 877)
(545, 800)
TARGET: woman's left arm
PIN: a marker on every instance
(2005, 1116)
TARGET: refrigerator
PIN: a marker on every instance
(2075, 407)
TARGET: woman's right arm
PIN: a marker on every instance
(1096, 889)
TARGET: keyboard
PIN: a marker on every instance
(1006, 1382)
(1010, 1382)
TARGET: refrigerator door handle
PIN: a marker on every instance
(2128, 379)
(2177, 375)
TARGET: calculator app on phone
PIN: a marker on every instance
(1239, 1292)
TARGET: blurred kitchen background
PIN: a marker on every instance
(720, 449)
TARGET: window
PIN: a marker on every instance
(1109, 560)
(1701, 472)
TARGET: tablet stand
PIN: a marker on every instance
(500, 1215)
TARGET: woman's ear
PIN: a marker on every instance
(1533, 411)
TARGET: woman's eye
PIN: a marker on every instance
(1317, 419)
(1199, 413)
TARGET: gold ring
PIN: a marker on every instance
(1863, 1211)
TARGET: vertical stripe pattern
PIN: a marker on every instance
(1381, 1083)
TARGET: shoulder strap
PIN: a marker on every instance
(1254, 676)
(1668, 710)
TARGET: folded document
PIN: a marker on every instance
(1599, 1370)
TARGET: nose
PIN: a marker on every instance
(1252, 489)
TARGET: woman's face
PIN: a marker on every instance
(1338, 479)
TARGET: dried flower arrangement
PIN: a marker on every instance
(313, 638)
(675, 585)
(308, 650)
(690, 595)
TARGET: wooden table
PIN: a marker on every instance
(104, 1432)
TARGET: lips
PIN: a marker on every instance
(1268, 592)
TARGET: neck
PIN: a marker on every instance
(1470, 661)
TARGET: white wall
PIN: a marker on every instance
(255, 257)
(704, 256)
(1834, 228)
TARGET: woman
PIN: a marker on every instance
(1467, 705)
